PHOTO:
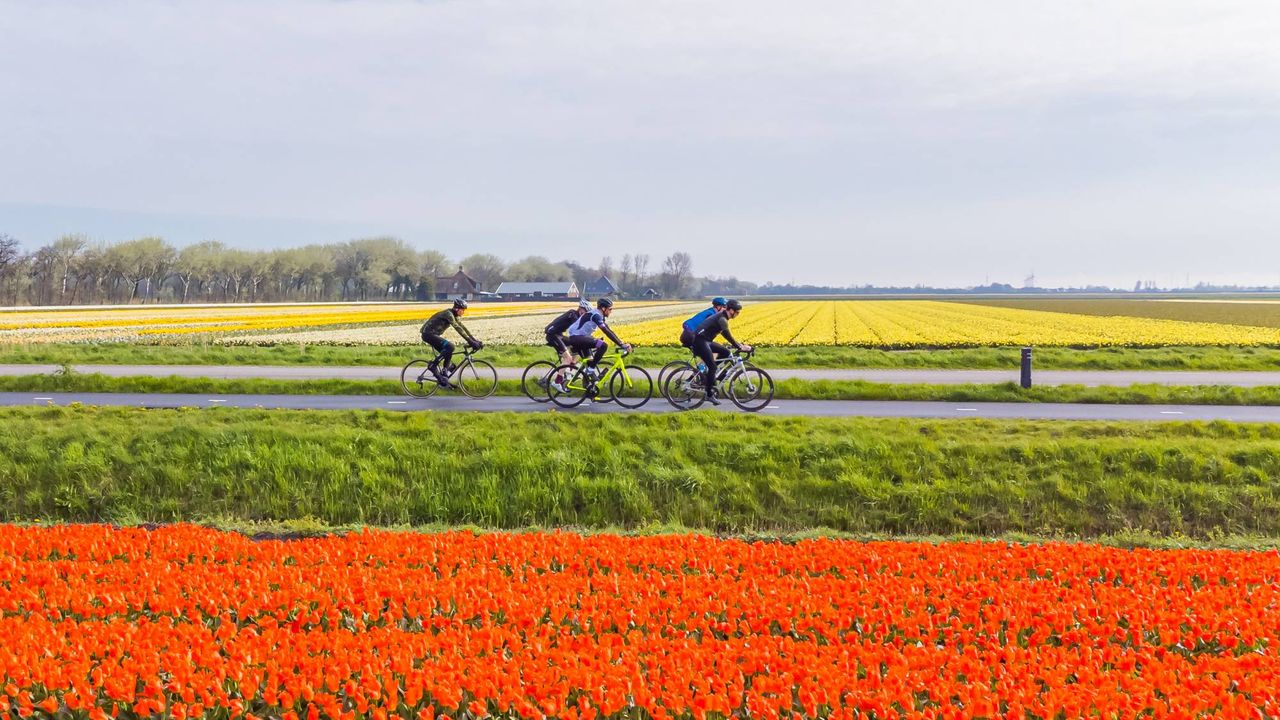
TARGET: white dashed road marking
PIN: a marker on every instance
(50, 399)
(396, 402)
(1170, 412)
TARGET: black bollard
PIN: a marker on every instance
(1026, 367)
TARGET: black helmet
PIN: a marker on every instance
(733, 305)
(604, 302)
(460, 304)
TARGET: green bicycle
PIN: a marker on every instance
(630, 387)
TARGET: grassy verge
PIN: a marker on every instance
(725, 473)
(311, 527)
(786, 389)
(1177, 358)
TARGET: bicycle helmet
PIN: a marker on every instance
(733, 305)
(604, 302)
(718, 302)
(584, 305)
(460, 304)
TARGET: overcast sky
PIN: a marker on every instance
(842, 142)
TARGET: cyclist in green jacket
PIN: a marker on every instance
(431, 335)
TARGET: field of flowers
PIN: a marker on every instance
(276, 323)
(890, 324)
(193, 623)
(524, 328)
(934, 324)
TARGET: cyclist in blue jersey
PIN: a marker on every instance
(708, 350)
(690, 326)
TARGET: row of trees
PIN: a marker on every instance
(73, 270)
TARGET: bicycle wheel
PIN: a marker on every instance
(631, 388)
(751, 389)
(476, 378)
(417, 380)
(535, 378)
(575, 389)
(666, 369)
(683, 388)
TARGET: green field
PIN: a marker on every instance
(726, 473)
(1174, 358)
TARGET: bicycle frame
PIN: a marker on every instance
(617, 365)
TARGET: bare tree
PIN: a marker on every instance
(642, 268)
(606, 266)
(9, 256)
(624, 272)
(677, 269)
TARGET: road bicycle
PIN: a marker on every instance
(475, 378)
(749, 387)
(683, 364)
(537, 377)
(631, 387)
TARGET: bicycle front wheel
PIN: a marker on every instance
(417, 380)
(683, 388)
(477, 379)
(668, 368)
(575, 389)
(631, 388)
(534, 381)
(751, 389)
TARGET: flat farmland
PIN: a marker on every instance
(872, 324)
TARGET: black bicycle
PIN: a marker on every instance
(475, 378)
(747, 386)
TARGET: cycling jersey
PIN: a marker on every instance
(692, 323)
(561, 323)
(438, 323)
(713, 327)
(587, 324)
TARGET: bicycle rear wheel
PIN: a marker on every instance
(477, 379)
(631, 388)
(683, 388)
(574, 391)
(751, 389)
(417, 379)
(534, 382)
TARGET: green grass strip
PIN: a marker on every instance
(725, 473)
(1176, 358)
(786, 389)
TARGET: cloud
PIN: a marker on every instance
(661, 123)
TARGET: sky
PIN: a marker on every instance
(844, 143)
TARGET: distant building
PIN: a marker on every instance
(600, 287)
(650, 294)
(458, 285)
(567, 290)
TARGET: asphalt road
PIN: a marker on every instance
(933, 377)
(813, 408)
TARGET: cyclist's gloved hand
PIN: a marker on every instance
(626, 346)
(476, 344)
(747, 348)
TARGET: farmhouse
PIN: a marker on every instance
(538, 290)
(600, 287)
(458, 285)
